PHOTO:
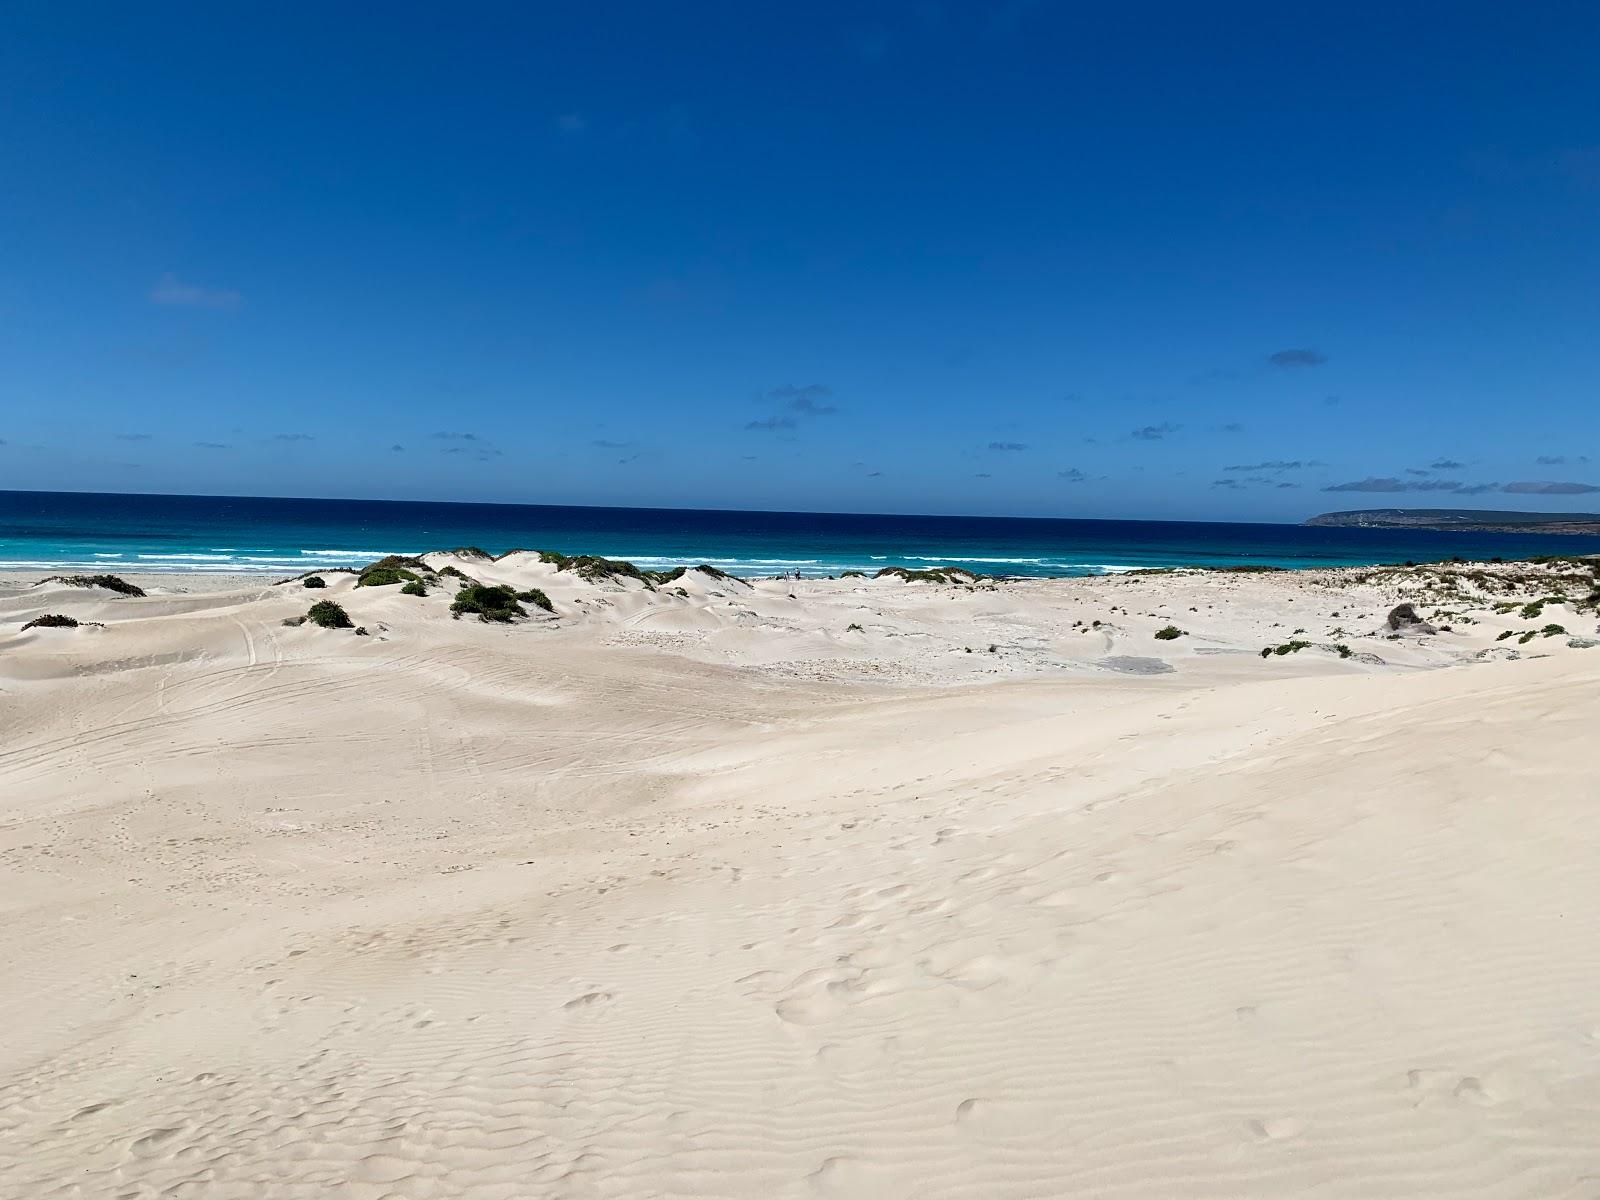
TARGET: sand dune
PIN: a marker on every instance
(693, 890)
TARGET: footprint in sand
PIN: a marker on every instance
(589, 1000)
(1277, 1129)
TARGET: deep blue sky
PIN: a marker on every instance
(1053, 259)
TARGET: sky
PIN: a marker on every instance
(1157, 261)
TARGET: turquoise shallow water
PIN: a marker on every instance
(84, 531)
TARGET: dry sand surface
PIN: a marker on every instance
(695, 891)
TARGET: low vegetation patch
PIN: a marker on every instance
(385, 577)
(415, 588)
(111, 583)
(329, 614)
(928, 575)
(537, 598)
(1293, 646)
(853, 628)
(52, 621)
(487, 603)
(314, 581)
(1170, 633)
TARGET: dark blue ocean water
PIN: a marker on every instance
(78, 530)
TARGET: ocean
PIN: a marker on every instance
(83, 531)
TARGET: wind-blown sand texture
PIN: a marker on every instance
(704, 894)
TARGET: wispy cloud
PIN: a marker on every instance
(1278, 464)
(212, 445)
(1446, 464)
(133, 437)
(1560, 460)
(456, 437)
(1072, 475)
(794, 403)
(397, 447)
(1230, 427)
(1545, 488)
(1303, 357)
(1391, 484)
(983, 475)
(170, 290)
(1155, 433)
(809, 401)
(1008, 447)
(293, 437)
(771, 423)
(604, 444)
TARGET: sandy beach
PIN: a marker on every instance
(1180, 884)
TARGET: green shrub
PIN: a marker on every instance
(538, 599)
(415, 588)
(112, 583)
(52, 621)
(329, 614)
(852, 575)
(853, 628)
(385, 576)
(1293, 646)
(458, 574)
(1170, 633)
(930, 575)
(471, 552)
(314, 581)
(488, 603)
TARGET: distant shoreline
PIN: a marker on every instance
(1462, 520)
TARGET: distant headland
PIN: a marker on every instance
(1468, 520)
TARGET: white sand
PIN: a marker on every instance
(703, 895)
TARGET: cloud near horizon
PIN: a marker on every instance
(1303, 357)
(1549, 488)
(1524, 487)
(1278, 464)
(1154, 433)
(172, 291)
(807, 401)
(1008, 446)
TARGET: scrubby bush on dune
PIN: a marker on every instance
(470, 552)
(537, 598)
(52, 621)
(1293, 646)
(487, 603)
(852, 575)
(456, 573)
(414, 588)
(929, 575)
(314, 581)
(385, 577)
(111, 583)
(329, 614)
(593, 569)
(1168, 634)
